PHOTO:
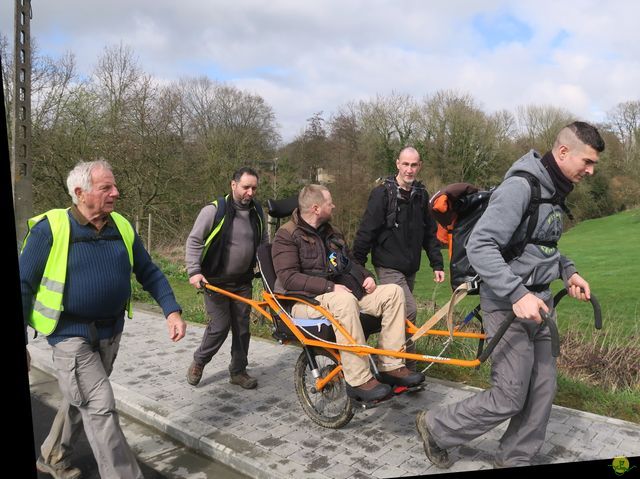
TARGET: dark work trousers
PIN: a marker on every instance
(226, 314)
(393, 276)
(523, 377)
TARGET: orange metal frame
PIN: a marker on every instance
(269, 301)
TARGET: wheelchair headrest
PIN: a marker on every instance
(282, 208)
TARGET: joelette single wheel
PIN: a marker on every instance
(330, 407)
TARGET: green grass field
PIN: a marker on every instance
(607, 254)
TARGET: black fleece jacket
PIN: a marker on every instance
(399, 247)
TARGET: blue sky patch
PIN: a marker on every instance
(559, 39)
(501, 29)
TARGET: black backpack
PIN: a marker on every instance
(391, 196)
(457, 208)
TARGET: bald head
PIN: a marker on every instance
(408, 164)
(409, 151)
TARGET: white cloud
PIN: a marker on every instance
(304, 57)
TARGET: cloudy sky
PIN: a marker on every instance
(308, 56)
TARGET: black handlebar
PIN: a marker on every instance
(597, 313)
(494, 341)
(553, 328)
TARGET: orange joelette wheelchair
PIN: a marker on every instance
(318, 378)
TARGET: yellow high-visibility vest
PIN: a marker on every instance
(47, 305)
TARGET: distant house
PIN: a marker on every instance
(325, 177)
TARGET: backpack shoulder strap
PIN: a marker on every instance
(221, 205)
(534, 204)
(259, 211)
(221, 211)
(515, 250)
(258, 208)
(391, 203)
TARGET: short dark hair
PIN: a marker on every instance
(241, 171)
(587, 134)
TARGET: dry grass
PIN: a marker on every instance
(601, 358)
(608, 358)
(170, 252)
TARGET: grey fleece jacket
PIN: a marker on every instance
(503, 284)
(239, 255)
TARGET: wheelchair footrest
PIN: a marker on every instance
(404, 389)
(365, 405)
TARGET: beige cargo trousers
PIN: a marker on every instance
(386, 301)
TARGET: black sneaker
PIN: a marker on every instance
(438, 456)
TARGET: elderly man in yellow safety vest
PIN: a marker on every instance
(75, 276)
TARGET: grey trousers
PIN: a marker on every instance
(83, 376)
(226, 314)
(523, 376)
(393, 276)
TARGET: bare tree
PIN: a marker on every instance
(355, 179)
(6, 52)
(625, 123)
(539, 125)
(459, 139)
(116, 76)
(389, 123)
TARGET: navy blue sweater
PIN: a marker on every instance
(98, 282)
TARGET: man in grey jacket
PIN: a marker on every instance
(222, 251)
(523, 371)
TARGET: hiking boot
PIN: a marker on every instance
(372, 390)
(498, 464)
(438, 456)
(59, 470)
(411, 365)
(194, 373)
(244, 380)
(401, 377)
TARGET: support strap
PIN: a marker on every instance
(447, 310)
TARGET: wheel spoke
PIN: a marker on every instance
(330, 407)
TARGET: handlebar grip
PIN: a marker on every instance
(494, 341)
(595, 304)
(553, 331)
(597, 313)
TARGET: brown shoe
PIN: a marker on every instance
(244, 380)
(372, 390)
(194, 373)
(59, 470)
(401, 377)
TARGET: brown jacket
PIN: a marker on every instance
(300, 258)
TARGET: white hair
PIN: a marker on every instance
(80, 176)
